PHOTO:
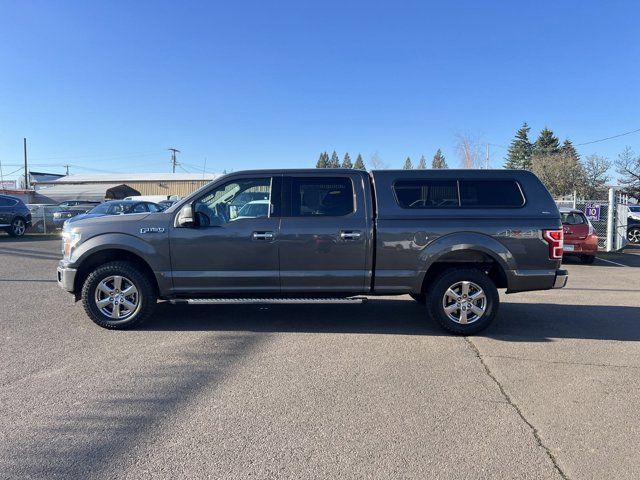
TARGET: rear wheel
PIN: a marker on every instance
(463, 301)
(17, 228)
(633, 235)
(587, 259)
(118, 295)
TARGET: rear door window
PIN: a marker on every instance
(490, 194)
(321, 196)
(573, 218)
(424, 193)
(7, 202)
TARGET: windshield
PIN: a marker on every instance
(635, 209)
(112, 208)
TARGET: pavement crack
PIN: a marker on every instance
(515, 406)
(561, 362)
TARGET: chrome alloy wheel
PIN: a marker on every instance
(464, 302)
(117, 297)
(18, 227)
(634, 235)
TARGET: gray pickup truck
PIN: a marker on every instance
(448, 238)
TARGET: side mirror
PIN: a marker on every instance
(185, 216)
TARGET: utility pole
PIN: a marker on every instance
(26, 170)
(487, 156)
(67, 168)
(174, 161)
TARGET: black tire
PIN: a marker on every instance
(587, 259)
(421, 298)
(449, 278)
(18, 227)
(145, 297)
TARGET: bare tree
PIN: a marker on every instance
(595, 175)
(376, 163)
(628, 166)
(470, 150)
(560, 172)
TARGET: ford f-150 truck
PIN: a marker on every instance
(448, 238)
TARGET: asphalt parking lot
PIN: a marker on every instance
(550, 390)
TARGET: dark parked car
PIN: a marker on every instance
(15, 216)
(118, 207)
(449, 238)
(67, 210)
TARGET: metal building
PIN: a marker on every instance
(168, 184)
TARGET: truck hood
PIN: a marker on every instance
(95, 224)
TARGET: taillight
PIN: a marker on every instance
(555, 239)
(591, 229)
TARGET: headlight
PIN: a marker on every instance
(69, 241)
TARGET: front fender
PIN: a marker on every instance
(118, 241)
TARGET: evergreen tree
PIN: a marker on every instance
(422, 165)
(346, 163)
(568, 149)
(335, 161)
(407, 164)
(439, 161)
(359, 165)
(323, 160)
(547, 143)
(520, 150)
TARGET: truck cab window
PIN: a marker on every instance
(321, 197)
(237, 200)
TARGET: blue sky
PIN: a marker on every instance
(110, 85)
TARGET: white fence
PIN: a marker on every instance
(610, 223)
(42, 218)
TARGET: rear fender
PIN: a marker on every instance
(459, 243)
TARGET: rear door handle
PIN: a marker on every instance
(350, 234)
(262, 236)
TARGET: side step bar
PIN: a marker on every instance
(264, 301)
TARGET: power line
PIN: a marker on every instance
(608, 138)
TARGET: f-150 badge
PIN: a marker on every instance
(152, 230)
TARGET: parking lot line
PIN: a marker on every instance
(609, 261)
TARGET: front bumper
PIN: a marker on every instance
(66, 277)
(561, 279)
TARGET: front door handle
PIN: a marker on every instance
(262, 236)
(350, 234)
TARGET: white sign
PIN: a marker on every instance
(8, 185)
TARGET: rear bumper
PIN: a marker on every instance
(561, 279)
(587, 246)
(529, 280)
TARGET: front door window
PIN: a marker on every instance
(234, 201)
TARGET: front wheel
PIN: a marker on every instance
(118, 295)
(463, 301)
(633, 235)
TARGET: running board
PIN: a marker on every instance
(265, 301)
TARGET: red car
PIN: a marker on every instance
(580, 237)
